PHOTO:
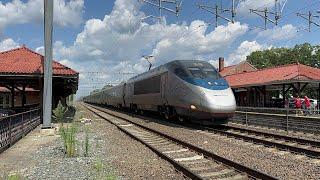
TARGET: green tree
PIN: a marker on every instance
(303, 53)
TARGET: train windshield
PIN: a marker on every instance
(194, 69)
(204, 72)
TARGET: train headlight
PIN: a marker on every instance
(193, 107)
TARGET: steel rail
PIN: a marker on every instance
(252, 173)
(270, 143)
(277, 136)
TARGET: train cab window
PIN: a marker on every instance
(196, 72)
(211, 73)
(180, 72)
(202, 73)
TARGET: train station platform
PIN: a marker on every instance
(21, 156)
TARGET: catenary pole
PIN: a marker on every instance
(47, 90)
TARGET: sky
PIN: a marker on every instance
(104, 40)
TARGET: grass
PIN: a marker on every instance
(86, 143)
(98, 166)
(69, 140)
(100, 169)
(14, 177)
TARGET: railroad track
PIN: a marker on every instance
(194, 162)
(310, 148)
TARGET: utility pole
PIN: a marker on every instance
(309, 17)
(233, 11)
(163, 5)
(47, 90)
(265, 14)
(218, 11)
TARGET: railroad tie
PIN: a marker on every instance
(176, 151)
(201, 168)
(217, 174)
(160, 141)
(236, 177)
(197, 157)
(125, 125)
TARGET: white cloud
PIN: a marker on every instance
(116, 43)
(245, 49)
(8, 44)
(66, 13)
(197, 43)
(277, 33)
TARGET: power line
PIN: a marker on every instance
(163, 5)
(309, 17)
(266, 13)
(218, 11)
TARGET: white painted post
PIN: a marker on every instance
(47, 91)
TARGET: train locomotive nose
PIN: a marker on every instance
(219, 102)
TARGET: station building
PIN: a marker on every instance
(270, 87)
(21, 80)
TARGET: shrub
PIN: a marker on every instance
(59, 112)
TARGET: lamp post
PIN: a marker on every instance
(148, 59)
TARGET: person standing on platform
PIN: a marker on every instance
(307, 105)
(297, 103)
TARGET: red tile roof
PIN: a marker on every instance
(276, 75)
(243, 66)
(24, 61)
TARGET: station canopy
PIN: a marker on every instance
(22, 68)
(285, 74)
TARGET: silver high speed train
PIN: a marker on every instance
(181, 89)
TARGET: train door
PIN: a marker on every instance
(164, 86)
(124, 94)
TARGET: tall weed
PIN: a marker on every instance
(68, 135)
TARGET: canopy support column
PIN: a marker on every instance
(299, 89)
(284, 95)
(23, 96)
(264, 96)
(12, 95)
(318, 96)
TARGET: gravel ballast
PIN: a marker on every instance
(283, 165)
